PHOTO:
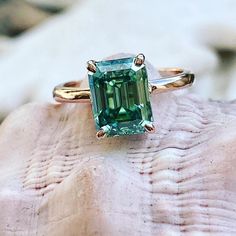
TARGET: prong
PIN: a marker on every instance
(101, 134)
(91, 66)
(150, 128)
(103, 131)
(139, 59)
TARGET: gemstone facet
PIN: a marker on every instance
(120, 97)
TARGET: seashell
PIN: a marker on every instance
(58, 179)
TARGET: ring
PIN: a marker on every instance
(119, 91)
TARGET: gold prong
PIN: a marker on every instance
(91, 66)
(101, 134)
(139, 59)
(150, 128)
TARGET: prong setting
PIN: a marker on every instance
(117, 116)
(150, 128)
(139, 59)
(91, 66)
(101, 134)
(103, 131)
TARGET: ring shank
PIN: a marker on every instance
(71, 92)
(171, 79)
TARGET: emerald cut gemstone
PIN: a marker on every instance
(120, 97)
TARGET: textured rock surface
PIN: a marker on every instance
(169, 33)
(57, 179)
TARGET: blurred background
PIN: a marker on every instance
(46, 42)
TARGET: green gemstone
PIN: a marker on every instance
(120, 97)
